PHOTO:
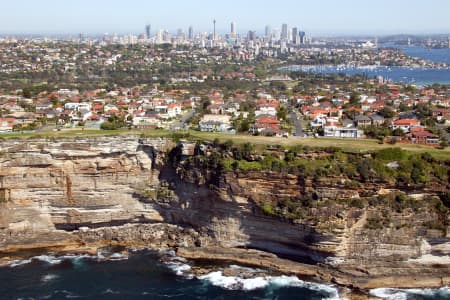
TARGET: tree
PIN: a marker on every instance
(26, 92)
(354, 98)
(281, 113)
(398, 132)
(386, 112)
(363, 169)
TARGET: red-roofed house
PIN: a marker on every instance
(424, 138)
(405, 124)
(6, 124)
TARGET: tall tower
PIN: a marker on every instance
(191, 33)
(302, 35)
(148, 29)
(268, 31)
(233, 30)
(284, 32)
(214, 34)
(295, 36)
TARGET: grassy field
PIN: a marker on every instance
(350, 145)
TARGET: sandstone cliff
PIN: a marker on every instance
(130, 191)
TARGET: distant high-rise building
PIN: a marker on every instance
(166, 36)
(190, 33)
(251, 36)
(284, 31)
(214, 32)
(233, 30)
(276, 34)
(180, 35)
(295, 36)
(268, 31)
(148, 29)
(302, 35)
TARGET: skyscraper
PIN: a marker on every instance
(284, 31)
(233, 30)
(251, 35)
(180, 35)
(214, 33)
(268, 31)
(190, 33)
(295, 37)
(148, 29)
(302, 35)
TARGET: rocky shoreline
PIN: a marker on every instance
(165, 236)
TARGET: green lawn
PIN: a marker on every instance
(350, 145)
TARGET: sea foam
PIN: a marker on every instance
(403, 294)
(247, 284)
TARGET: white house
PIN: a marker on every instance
(212, 123)
(342, 132)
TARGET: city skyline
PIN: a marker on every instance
(320, 17)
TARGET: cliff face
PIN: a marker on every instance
(60, 186)
(125, 191)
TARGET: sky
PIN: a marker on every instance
(316, 17)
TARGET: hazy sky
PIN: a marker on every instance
(313, 16)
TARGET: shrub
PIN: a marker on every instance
(268, 209)
(391, 154)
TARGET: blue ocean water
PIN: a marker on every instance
(141, 276)
(418, 76)
(434, 55)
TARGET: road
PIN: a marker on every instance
(182, 124)
(298, 125)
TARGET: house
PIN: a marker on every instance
(377, 120)
(405, 124)
(173, 110)
(441, 113)
(267, 108)
(216, 109)
(214, 123)
(423, 138)
(267, 125)
(342, 132)
(6, 124)
(363, 121)
(147, 122)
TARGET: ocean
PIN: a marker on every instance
(141, 275)
(144, 274)
(417, 76)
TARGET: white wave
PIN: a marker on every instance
(402, 294)
(49, 259)
(111, 291)
(49, 277)
(179, 268)
(237, 283)
(16, 263)
(67, 294)
(118, 256)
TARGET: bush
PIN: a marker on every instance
(268, 209)
(357, 202)
(107, 125)
(249, 165)
(391, 154)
